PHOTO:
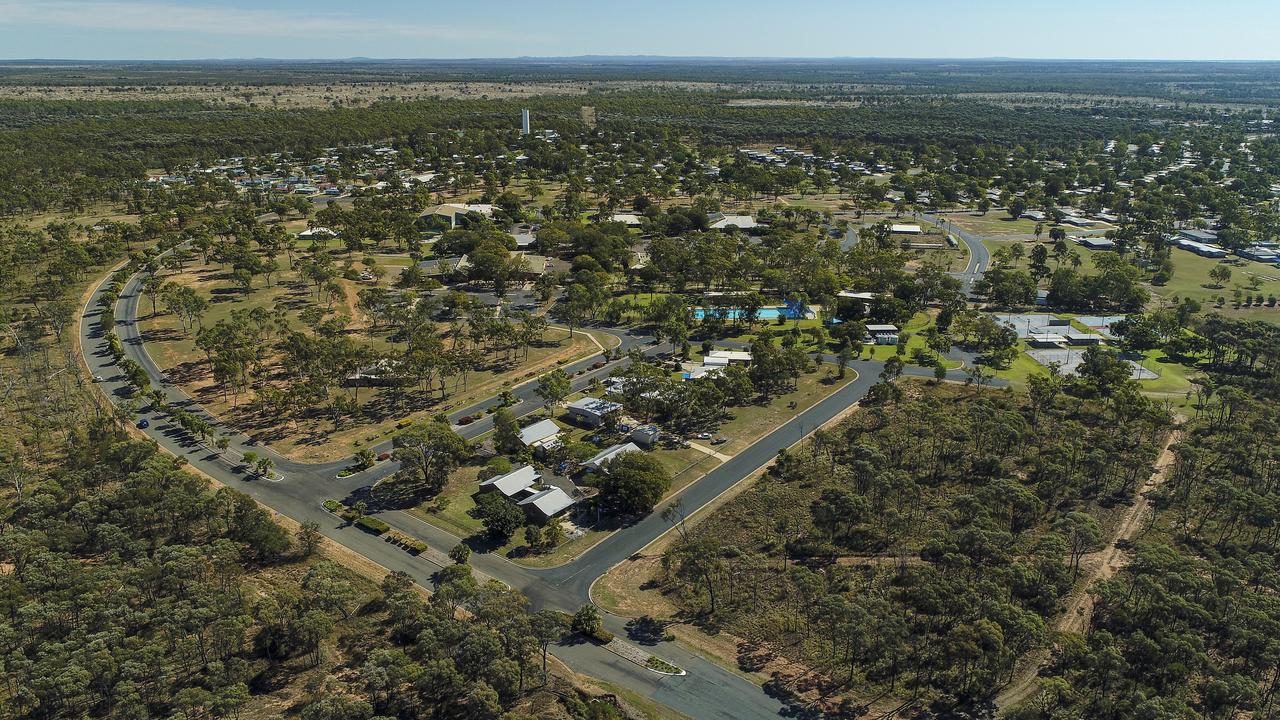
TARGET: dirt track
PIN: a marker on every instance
(1098, 565)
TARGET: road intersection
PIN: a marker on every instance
(707, 691)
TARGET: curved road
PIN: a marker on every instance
(707, 691)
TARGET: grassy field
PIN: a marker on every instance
(312, 437)
(1191, 279)
(996, 222)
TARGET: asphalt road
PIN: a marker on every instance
(707, 691)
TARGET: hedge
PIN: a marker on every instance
(373, 525)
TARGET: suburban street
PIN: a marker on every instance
(707, 691)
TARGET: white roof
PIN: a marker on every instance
(451, 209)
(882, 328)
(911, 229)
(311, 232)
(538, 431)
(549, 501)
(610, 453)
(857, 295)
(625, 218)
(514, 481)
(730, 354)
(717, 362)
(744, 222)
(594, 406)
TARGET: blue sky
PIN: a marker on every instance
(191, 29)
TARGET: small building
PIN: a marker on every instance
(1078, 221)
(1082, 338)
(628, 219)
(609, 453)
(883, 334)
(720, 221)
(1200, 236)
(513, 483)
(1037, 215)
(592, 411)
(454, 212)
(1096, 243)
(1046, 340)
(531, 266)
(727, 357)
(1258, 253)
(1202, 249)
(546, 504)
(645, 436)
(541, 436)
(903, 229)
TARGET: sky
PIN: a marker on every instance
(312, 29)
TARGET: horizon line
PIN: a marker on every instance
(630, 57)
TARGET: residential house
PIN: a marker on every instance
(592, 412)
(513, 483)
(541, 436)
(609, 453)
(546, 504)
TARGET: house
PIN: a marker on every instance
(454, 212)
(883, 334)
(1200, 236)
(1258, 253)
(1096, 243)
(628, 219)
(727, 357)
(546, 504)
(609, 453)
(1201, 249)
(531, 266)
(903, 229)
(541, 436)
(592, 411)
(513, 483)
(1037, 215)
(720, 221)
(1078, 221)
(645, 436)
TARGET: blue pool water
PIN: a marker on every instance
(766, 313)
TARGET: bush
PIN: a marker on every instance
(333, 506)
(404, 423)
(372, 525)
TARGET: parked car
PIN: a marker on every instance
(720, 441)
(703, 436)
(98, 378)
(143, 424)
(384, 456)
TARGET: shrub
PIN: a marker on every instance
(372, 525)
(333, 506)
(404, 423)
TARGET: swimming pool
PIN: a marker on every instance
(764, 313)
